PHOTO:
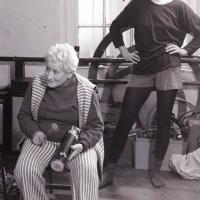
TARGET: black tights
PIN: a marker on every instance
(134, 98)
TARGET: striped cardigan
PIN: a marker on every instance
(84, 94)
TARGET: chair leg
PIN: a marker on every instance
(3, 175)
(20, 197)
(51, 180)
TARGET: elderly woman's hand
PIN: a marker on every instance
(76, 149)
(39, 138)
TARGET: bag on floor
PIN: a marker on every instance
(187, 166)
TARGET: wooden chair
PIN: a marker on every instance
(3, 176)
(50, 182)
(53, 184)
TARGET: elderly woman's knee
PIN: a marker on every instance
(87, 168)
(24, 168)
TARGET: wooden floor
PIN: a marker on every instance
(131, 184)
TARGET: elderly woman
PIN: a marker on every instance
(63, 98)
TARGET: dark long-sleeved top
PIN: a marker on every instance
(156, 26)
(60, 105)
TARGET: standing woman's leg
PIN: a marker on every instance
(134, 98)
(30, 167)
(165, 103)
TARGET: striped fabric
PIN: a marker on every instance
(84, 93)
(29, 169)
(84, 179)
(38, 91)
(33, 161)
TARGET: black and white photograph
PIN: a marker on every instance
(99, 100)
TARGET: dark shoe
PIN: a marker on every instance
(155, 176)
(108, 175)
(157, 180)
(107, 179)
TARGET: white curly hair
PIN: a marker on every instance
(65, 54)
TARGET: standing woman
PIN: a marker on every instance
(54, 102)
(160, 28)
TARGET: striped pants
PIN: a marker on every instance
(34, 159)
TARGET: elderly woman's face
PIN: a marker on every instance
(56, 74)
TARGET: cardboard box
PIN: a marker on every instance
(144, 148)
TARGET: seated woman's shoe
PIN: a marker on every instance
(157, 180)
(108, 176)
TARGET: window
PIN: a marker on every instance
(95, 17)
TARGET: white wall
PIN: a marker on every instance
(191, 3)
(28, 27)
